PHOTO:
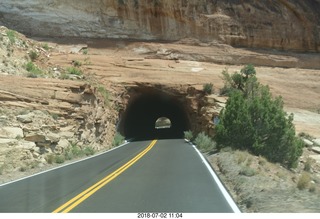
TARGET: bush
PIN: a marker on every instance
(208, 88)
(204, 142)
(76, 63)
(117, 140)
(304, 181)
(33, 55)
(11, 34)
(76, 151)
(88, 151)
(59, 159)
(74, 71)
(247, 171)
(252, 120)
(50, 158)
(33, 70)
(68, 155)
(188, 135)
(45, 46)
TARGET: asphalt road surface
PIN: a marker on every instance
(144, 176)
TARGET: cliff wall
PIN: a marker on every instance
(278, 24)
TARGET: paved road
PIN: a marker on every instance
(146, 176)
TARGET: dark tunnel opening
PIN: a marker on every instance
(138, 121)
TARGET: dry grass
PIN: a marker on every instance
(304, 181)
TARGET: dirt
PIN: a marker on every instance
(272, 188)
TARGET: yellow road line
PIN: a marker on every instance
(72, 203)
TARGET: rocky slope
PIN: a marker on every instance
(47, 115)
(280, 24)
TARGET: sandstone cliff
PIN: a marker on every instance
(280, 24)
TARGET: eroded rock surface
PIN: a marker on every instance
(264, 24)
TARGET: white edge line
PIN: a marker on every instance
(42, 172)
(216, 178)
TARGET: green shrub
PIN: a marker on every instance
(59, 159)
(253, 120)
(68, 155)
(88, 151)
(208, 88)
(204, 142)
(11, 34)
(74, 71)
(117, 140)
(85, 51)
(33, 55)
(33, 70)
(45, 46)
(188, 135)
(76, 151)
(76, 63)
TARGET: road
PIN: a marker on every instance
(144, 176)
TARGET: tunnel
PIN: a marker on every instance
(143, 111)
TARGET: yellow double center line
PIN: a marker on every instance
(68, 206)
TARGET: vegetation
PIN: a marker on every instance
(85, 52)
(208, 88)
(188, 135)
(204, 142)
(247, 171)
(254, 121)
(45, 46)
(33, 55)
(105, 94)
(304, 181)
(88, 151)
(74, 71)
(117, 140)
(33, 70)
(11, 34)
(59, 159)
(76, 63)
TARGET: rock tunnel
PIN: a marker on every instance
(145, 107)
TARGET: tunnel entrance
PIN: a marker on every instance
(149, 107)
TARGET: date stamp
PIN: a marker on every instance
(159, 215)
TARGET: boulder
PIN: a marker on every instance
(317, 141)
(307, 142)
(35, 138)
(11, 132)
(63, 143)
(25, 118)
(316, 149)
(26, 145)
(52, 137)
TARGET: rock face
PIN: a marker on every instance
(280, 24)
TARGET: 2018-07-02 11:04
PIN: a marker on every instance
(159, 215)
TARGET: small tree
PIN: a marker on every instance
(254, 121)
(242, 80)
